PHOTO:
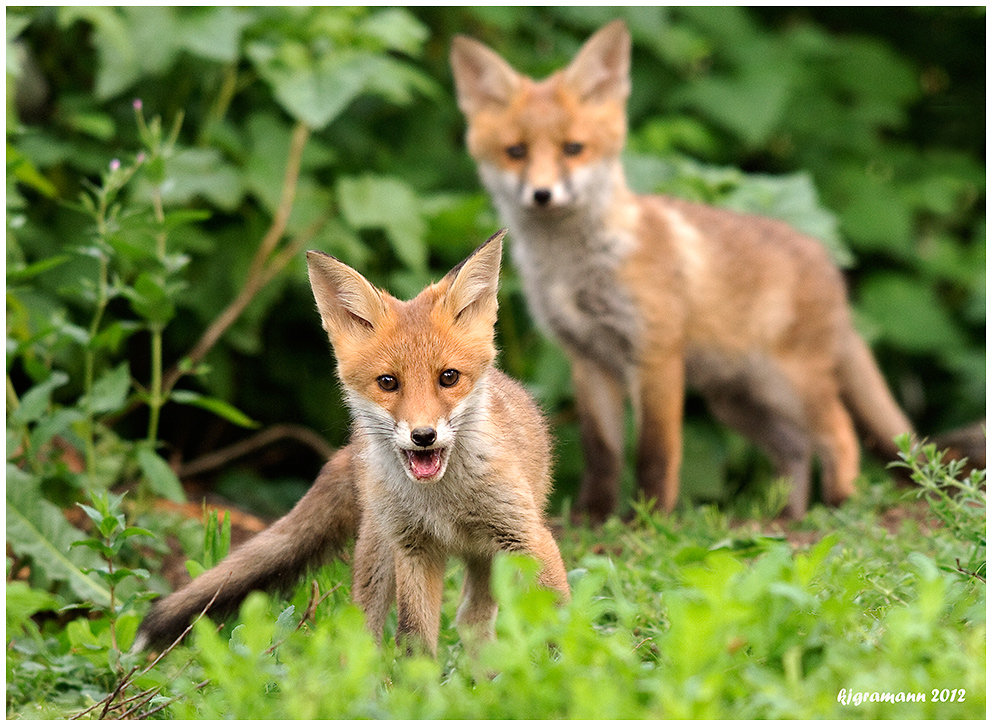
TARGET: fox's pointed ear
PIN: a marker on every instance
(348, 303)
(474, 284)
(482, 77)
(601, 69)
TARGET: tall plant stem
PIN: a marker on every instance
(157, 397)
(89, 358)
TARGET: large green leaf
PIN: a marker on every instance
(109, 391)
(162, 479)
(36, 401)
(37, 529)
(214, 405)
(313, 90)
(909, 315)
(390, 204)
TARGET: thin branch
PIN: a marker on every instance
(222, 457)
(158, 708)
(127, 680)
(258, 275)
(315, 600)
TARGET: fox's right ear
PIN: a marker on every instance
(348, 303)
(482, 77)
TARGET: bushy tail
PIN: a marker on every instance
(876, 413)
(880, 419)
(316, 529)
(967, 442)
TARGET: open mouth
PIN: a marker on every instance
(425, 464)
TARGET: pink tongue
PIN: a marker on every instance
(425, 464)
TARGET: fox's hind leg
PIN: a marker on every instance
(784, 439)
(836, 444)
(600, 399)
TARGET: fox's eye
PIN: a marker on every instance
(449, 378)
(516, 151)
(572, 148)
(387, 383)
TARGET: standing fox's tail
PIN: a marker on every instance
(875, 412)
(880, 419)
(319, 526)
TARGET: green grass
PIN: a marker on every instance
(843, 615)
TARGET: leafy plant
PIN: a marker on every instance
(957, 500)
(109, 520)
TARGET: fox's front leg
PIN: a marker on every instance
(541, 544)
(661, 399)
(600, 401)
(373, 576)
(419, 587)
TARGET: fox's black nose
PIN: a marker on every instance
(423, 436)
(542, 196)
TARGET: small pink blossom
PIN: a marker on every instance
(115, 164)
(141, 157)
(137, 104)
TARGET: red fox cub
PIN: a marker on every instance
(650, 294)
(448, 456)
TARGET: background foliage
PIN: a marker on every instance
(167, 167)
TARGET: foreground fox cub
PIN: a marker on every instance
(448, 456)
(649, 294)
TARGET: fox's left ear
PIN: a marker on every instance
(474, 284)
(601, 69)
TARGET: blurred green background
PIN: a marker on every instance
(863, 126)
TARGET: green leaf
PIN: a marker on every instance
(162, 479)
(136, 531)
(285, 623)
(109, 393)
(313, 90)
(390, 204)
(22, 169)
(214, 405)
(37, 529)
(909, 315)
(875, 216)
(36, 401)
(95, 515)
(192, 174)
(54, 424)
(118, 60)
(397, 29)
(26, 273)
(212, 32)
(98, 546)
(23, 602)
(150, 299)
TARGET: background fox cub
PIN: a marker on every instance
(649, 294)
(448, 456)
